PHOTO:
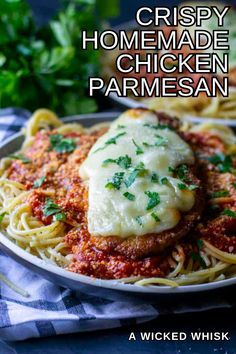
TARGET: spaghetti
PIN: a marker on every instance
(43, 205)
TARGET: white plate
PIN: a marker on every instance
(105, 288)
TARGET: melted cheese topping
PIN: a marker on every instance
(119, 208)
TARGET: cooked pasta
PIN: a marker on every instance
(43, 207)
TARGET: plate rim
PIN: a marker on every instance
(86, 280)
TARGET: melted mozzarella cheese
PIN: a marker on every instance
(135, 136)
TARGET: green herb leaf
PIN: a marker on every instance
(119, 126)
(157, 126)
(38, 183)
(182, 186)
(51, 208)
(139, 151)
(116, 181)
(181, 171)
(219, 194)
(197, 257)
(129, 196)
(200, 244)
(111, 141)
(122, 161)
(61, 144)
(2, 216)
(229, 212)
(139, 220)
(155, 217)
(154, 199)
(139, 170)
(23, 158)
(224, 163)
(164, 180)
(154, 177)
(59, 217)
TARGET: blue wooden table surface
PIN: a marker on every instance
(116, 341)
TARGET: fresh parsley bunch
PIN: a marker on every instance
(46, 66)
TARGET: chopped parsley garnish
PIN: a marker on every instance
(115, 181)
(200, 244)
(60, 217)
(197, 257)
(158, 126)
(38, 183)
(51, 208)
(2, 216)
(182, 186)
(129, 196)
(154, 177)
(164, 180)
(154, 199)
(139, 220)
(181, 172)
(111, 141)
(224, 163)
(61, 144)
(139, 170)
(220, 194)
(155, 217)
(122, 161)
(229, 212)
(23, 158)
(139, 151)
(114, 139)
(161, 141)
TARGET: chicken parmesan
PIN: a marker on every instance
(144, 199)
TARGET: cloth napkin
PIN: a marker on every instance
(52, 310)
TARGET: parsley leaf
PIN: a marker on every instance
(2, 216)
(116, 181)
(164, 180)
(51, 208)
(139, 170)
(154, 199)
(224, 163)
(129, 196)
(181, 171)
(182, 186)
(197, 257)
(139, 220)
(219, 194)
(23, 158)
(161, 141)
(59, 217)
(154, 177)
(229, 212)
(122, 161)
(111, 141)
(155, 217)
(157, 126)
(61, 144)
(139, 151)
(200, 244)
(39, 182)
(120, 126)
